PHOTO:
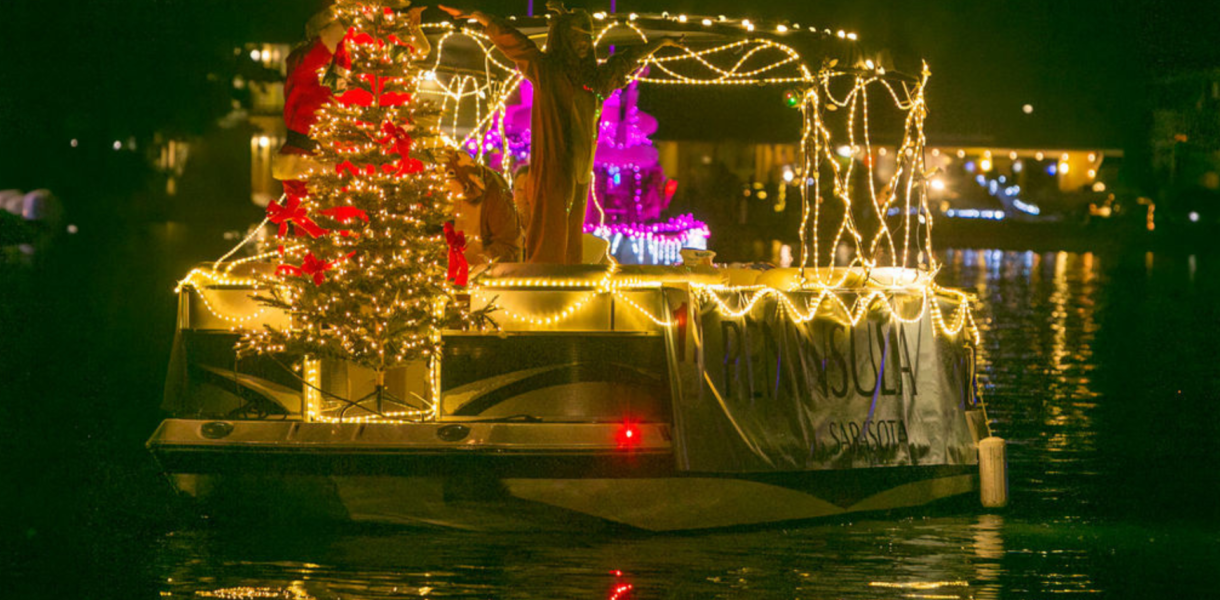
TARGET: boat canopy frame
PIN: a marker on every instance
(837, 154)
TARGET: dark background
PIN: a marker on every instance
(118, 69)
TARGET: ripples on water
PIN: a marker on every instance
(1100, 370)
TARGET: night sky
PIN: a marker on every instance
(114, 69)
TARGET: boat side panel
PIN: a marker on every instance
(480, 500)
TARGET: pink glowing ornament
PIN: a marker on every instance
(629, 183)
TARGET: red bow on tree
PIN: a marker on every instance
(360, 97)
(353, 170)
(397, 40)
(343, 214)
(459, 269)
(398, 141)
(384, 98)
(366, 98)
(292, 212)
(312, 266)
(389, 99)
(360, 38)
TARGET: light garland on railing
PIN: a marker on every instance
(608, 284)
(234, 321)
(725, 309)
(201, 279)
(643, 311)
(963, 317)
(866, 299)
(857, 310)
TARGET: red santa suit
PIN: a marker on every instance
(304, 94)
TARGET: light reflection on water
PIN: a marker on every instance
(981, 556)
(1078, 372)
(1038, 366)
(941, 557)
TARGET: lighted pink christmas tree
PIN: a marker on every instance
(630, 185)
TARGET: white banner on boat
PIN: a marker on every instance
(763, 392)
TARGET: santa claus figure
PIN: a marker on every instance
(305, 93)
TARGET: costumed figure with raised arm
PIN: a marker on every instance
(569, 89)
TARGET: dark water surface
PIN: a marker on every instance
(1102, 370)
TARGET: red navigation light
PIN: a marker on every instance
(620, 590)
(628, 435)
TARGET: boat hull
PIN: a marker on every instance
(533, 477)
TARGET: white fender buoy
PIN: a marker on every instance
(993, 472)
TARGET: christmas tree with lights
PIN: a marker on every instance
(369, 271)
